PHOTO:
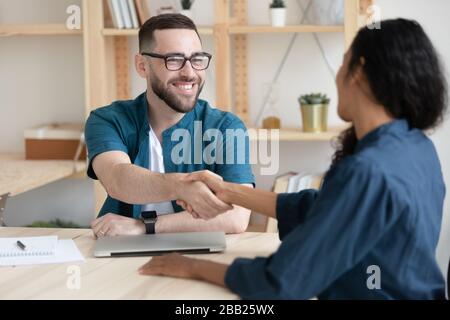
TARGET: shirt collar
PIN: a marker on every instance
(396, 127)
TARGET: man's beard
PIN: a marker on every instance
(172, 99)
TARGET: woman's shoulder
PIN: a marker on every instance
(356, 164)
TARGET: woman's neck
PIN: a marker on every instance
(370, 117)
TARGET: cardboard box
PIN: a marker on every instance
(55, 141)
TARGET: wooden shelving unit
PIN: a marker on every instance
(105, 47)
(295, 134)
(36, 30)
(134, 32)
(18, 175)
(230, 24)
(286, 29)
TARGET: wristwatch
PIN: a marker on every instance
(149, 218)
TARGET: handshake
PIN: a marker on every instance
(203, 194)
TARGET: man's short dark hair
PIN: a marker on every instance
(161, 22)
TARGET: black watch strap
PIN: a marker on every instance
(150, 227)
(149, 219)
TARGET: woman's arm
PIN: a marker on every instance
(290, 209)
(258, 200)
(261, 201)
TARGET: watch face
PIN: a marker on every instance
(147, 215)
(146, 221)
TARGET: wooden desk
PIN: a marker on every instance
(117, 278)
(18, 175)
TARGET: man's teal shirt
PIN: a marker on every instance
(204, 139)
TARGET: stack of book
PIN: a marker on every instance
(293, 182)
(126, 14)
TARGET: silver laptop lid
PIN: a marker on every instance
(156, 244)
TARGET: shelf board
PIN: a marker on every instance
(8, 30)
(295, 134)
(19, 175)
(134, 32)
(285, 29)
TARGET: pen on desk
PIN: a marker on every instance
(21, 245)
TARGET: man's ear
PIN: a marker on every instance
(139, 63)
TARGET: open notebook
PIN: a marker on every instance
(38, 250)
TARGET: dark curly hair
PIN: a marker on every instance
(404, 74)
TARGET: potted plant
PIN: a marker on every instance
(314, 110)
(278, 13)
(186, 8)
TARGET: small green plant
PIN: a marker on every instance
(314, 98)
(57, 223)
(187, 4)
(277, 4)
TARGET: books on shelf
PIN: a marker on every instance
(292, 182)
(114, 8)
(295, 182)
(281, 183)
(133, 14)
(126, 14)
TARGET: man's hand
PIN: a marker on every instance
(199, 197)
(215, 184)
(212, 180)
(115, 225)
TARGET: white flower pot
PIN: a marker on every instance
(187, 13)
(278, 17)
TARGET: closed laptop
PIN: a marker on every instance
(157, 244)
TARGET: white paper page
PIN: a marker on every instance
(45, 245)
(66, 251)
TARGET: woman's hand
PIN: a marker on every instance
(178, 266)
(172, 265)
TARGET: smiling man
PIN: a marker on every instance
(131, 144)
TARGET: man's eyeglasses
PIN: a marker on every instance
(175, 61)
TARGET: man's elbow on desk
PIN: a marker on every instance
(239, 219)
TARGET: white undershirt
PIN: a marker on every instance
(156, 164)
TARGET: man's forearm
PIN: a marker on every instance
(133, 184)
(233, 221)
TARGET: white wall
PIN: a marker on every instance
(41, 78)
(31, 91)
